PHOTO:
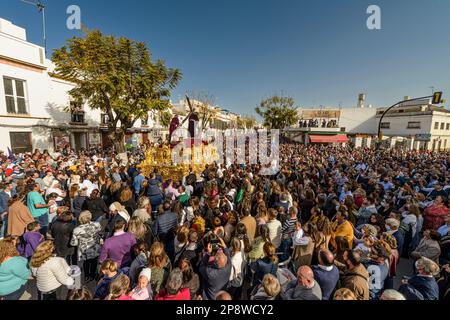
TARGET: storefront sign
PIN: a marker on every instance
(423, 137)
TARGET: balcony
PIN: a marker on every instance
(104, 121)
(77, 118)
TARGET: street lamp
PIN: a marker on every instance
(41, 8)
(437, 99)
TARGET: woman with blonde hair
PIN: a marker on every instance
(119, 288)
(268, 290)
(14, 272)
(160, 265)
(344, 294)
(51, 272)
(138, 228)
(390, 243)
(268, 264)
(181, 241)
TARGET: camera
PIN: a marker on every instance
(215, 244)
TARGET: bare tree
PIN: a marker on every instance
(203, 103)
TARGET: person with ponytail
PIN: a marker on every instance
(268, 264)
(119, 289)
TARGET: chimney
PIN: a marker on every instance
(407, 98)
(361, 100)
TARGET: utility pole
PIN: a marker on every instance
(41, 8)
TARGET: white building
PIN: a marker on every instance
(416, 125)
(412, 125)
(336, 125)
(34, 103)
(36, 111)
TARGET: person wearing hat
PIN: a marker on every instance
(143, 289)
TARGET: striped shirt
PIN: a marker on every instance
(289, 226)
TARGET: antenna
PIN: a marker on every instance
(41, 8)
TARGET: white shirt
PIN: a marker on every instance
(237, 268)
(299, 239)
(274, 232)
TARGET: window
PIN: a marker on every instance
(16, 102)
(20, 142)
(343, 129)
(442, 125)
(413, 125)
(447, 127)
(144, 121)
(436, 125)
(385, 125)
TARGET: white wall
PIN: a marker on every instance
(358, 120)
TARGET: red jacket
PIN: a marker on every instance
(183, 294)
(434, 217)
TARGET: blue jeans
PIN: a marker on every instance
(43, 222)
(4, 227)
(15, 295)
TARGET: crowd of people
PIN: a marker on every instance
(333, 223)
(316, 123)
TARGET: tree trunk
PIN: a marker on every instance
(117, 137)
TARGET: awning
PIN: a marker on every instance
(339, 138)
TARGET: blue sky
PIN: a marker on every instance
(319, 52)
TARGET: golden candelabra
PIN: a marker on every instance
(175, 163)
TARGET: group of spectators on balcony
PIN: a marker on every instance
(318, 123)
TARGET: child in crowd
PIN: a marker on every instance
(110, 271)
(143, 290)
(52, 210)
(32, 238)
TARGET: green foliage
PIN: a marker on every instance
(278, 112)
(165, 118)
(245, 122)
(116, 76)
